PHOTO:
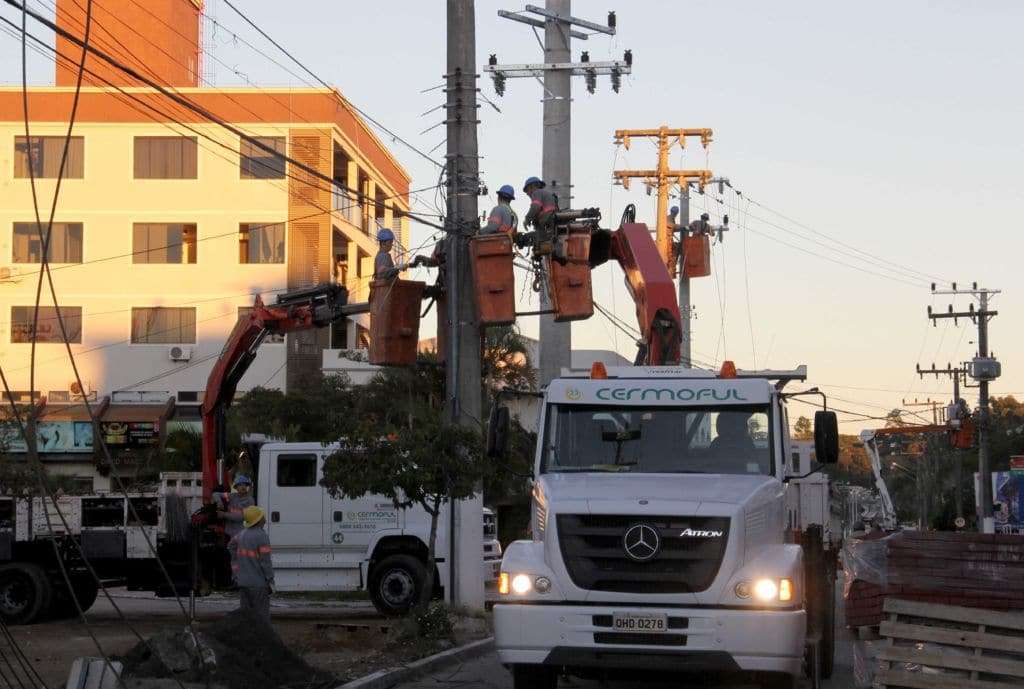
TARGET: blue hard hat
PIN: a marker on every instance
(674, 210)
(385, 235)
(533, 180)
(507, 191)
(241, 480)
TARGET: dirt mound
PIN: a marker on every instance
(238, 651)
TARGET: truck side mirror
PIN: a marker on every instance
(826, 437)
(498, 432)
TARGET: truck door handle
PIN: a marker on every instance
(338, 515)
(275, 516)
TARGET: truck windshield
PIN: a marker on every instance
(703, 440)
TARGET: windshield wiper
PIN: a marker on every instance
(597, 468)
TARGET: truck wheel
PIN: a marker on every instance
(396, 584)
(25, 593)
(62, 606)
(534, 677)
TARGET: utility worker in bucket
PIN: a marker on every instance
(502, 218)
(384, 267)
(542, 203)
(255, 572)
(230, 508)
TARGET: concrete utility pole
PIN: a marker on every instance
(462, 373)
(557, 71)
(685, 305)
(983, 368)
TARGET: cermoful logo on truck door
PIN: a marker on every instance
(700, 533)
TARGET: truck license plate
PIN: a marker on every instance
(632, 622)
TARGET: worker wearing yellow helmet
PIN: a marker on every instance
(255, 573)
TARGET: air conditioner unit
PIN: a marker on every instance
(179, 353)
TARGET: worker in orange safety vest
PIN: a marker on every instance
(255, 568)
(502, 218)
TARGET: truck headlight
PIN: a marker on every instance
(766, 590)
(521, 584)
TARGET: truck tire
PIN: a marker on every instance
(62, 606)
(534, 677)
(396, 584)
(25, 593)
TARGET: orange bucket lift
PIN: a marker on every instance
(569, 285)
(395, 321)
(494, 279)
(696, 256)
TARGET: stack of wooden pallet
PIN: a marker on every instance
(932, 646)
(975, 570)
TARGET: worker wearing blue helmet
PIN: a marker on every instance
(384, 267)
(542, 202)
(230, 507)
(502, 218)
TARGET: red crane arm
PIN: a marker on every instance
(304, 309)
(650, 285)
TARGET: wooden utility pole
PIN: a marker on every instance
(462, 372)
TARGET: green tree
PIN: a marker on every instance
(412, 457)
(802, 429)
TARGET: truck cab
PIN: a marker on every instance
(659, 532)
(327, 543)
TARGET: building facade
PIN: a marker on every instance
(170, 223)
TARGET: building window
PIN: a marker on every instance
(163, 243)
(272, 338)
(165, 157)
(255, 162)
(163, 325)
(65, 243)
(261, 243)
(46, 152)
(48, 329)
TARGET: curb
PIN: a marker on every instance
(383, 679)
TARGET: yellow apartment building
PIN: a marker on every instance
(168, 224)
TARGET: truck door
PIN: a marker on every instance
(350, 525)
(295, 509)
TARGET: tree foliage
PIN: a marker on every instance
(803, 429)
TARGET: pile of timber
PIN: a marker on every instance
(932, 646)
(966, 569)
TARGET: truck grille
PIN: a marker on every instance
(595, 556)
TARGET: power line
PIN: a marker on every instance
(359, 110)
(204, 112)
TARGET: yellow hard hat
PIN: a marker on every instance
(251, 516)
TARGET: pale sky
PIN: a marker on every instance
(891, 127)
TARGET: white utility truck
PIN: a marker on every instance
(320, 543)
(661, 542)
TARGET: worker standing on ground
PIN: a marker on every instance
(231, 507)
(502, 218)
(255, 568)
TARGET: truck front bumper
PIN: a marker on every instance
(698, 640)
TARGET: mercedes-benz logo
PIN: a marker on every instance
(641, 542)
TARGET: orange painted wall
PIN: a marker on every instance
(159, 38)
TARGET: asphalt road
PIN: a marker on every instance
(487, 673)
